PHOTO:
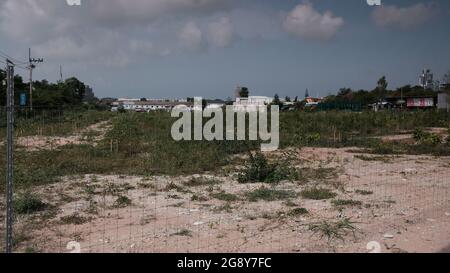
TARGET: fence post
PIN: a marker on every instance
(10, 150)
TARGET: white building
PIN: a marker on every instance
(147, 106)
(251, 103)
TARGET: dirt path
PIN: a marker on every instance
(92, 134)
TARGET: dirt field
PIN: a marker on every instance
(92, 134)
(400, 202)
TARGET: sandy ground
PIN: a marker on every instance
(405, 207)
(89, 135)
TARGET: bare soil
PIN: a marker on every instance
(402, 203)
(90, 135)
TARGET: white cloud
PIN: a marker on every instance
(403, 17)
(304, 21)
(191, 36)
(222, 32)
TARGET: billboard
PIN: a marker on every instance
(420, 102)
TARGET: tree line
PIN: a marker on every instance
(69, 93)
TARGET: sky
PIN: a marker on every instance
(186, 48)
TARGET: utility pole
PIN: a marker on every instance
(9, 154)
(31, 66)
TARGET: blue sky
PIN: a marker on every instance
(180, 48)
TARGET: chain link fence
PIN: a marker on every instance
(92, 181)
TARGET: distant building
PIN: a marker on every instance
(426, 79)
(251, 103)
(306, 93)
(147, 106)
(310, 102)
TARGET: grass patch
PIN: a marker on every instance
(183, 232)
(346, 203)
(318, 194)
(122, 202)
(258, 169)
(28, 203)
(298, 212)
(199, 198)
(223, 196)
(267, 194)
(333, 230)
(364, 192)
(172, 186)
(384, 159)
(74, 219)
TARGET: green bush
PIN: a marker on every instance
(28, 203)
(258, 169)
(318, 194)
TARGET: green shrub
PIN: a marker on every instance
(318, 194)
(258, 169)
(223, 196)
(267, 194)
(28, 203)
(122, 202)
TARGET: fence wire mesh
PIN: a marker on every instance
(93, 181)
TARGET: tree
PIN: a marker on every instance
(276, 100)
(382, 83)
(288, 99)
(244, 93)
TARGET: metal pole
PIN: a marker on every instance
(9, 177)
(31, 87)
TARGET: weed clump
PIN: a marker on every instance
(122, 202)
(298, 211)
(28, 203)
(336, 230)
(346, 203)
(267, 194)
(258, 169)
(183, 232)
(74, 219)
(223, 196)
(423, 137)
(318, 194)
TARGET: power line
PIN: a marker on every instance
(11, 58)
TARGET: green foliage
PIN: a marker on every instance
(318, 194)
(298, 211)
(74, 219)
(28, 203)
(364, 192)
(223, 196)
(267, 194)
(244, 92)
(258, 169)
(333, 230)
(48, 95)
(122, 202)
(426, 138)
(346, 203)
